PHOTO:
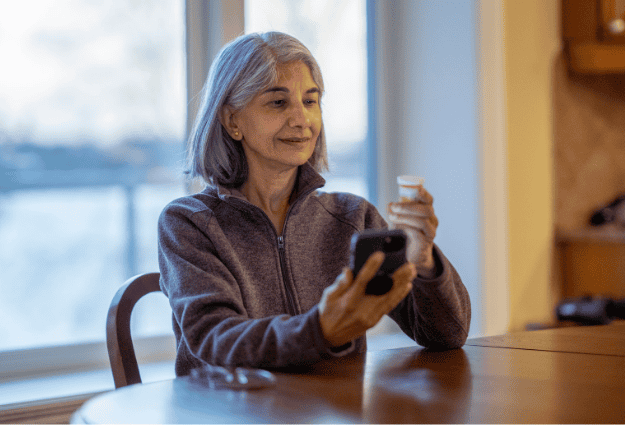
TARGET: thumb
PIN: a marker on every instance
(344, 280)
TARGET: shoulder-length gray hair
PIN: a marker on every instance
(242, 69)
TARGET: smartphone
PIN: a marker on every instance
(365, 243)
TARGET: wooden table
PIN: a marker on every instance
(568, 375)
(600, 340)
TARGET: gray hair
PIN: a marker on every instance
(242, 69)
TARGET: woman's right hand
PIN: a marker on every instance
(346, 312)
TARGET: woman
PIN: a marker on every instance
(254, 265)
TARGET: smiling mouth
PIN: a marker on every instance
(294, 140)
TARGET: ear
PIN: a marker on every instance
(228, 120)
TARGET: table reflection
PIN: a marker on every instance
(422, 386)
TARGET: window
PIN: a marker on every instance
(92, 122)
(92, 125)
(335, 33)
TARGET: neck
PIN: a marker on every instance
(270, 190)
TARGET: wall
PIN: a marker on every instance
(531, 29)
(428, 125)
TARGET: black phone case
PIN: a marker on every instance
(365, 243)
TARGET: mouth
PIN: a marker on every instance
(295, 140)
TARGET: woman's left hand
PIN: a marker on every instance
(418, 220)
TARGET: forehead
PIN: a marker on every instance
(294, 72)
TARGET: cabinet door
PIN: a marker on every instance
(592, 268)
(580, 20)
(593, 32)
(612, 20)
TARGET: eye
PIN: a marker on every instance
(278, 102)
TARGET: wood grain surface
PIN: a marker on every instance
(601, 340)
(476, 384)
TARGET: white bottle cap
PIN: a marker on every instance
(409, 187)
(410, 180)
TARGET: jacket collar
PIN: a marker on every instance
(307, 180)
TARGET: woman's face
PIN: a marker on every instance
(279, 127)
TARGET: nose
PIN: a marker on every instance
(299, 116)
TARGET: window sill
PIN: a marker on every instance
(74, 384)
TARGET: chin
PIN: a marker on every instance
(296, 160)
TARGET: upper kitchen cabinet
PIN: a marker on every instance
(593, 32)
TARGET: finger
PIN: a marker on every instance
(407, 271)
(401, 288)
(424, 196)
(434, 221)
(415, 210)
(425, 226)
(412, 208)
(402, 285)
(389, 301)
(343, 281)
(401, 294)
(369, 270)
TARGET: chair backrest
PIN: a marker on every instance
(118, 339)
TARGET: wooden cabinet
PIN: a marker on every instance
(593, 33)
(592, 262)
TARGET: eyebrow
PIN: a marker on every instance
(285, 90)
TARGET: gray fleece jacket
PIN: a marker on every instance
(243, 296)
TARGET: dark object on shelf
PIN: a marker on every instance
(613, 212)
(591, 310)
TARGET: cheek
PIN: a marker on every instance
(265, 128)
(317, 123)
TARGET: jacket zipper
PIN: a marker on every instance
(281, 251)
(287, 289)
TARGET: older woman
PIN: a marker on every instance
(254, 266)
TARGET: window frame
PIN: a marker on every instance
(72, 358)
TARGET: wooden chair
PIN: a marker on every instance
(118, 339)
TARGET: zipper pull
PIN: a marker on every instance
(280, 242)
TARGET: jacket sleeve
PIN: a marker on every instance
(437, 313)
(210, 318)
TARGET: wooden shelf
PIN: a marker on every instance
(590, 261)
(596, 58)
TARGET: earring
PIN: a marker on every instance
(236, 134)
